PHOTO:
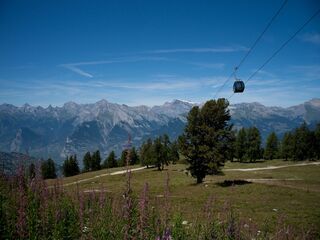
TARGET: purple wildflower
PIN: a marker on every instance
(128, 204)
(166, 199)
(143, 204)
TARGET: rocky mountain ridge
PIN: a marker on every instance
(76, 128)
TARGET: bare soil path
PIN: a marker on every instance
(271, 167)
(102, 175)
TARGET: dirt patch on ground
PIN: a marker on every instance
(288, 183)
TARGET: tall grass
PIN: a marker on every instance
(32, 210)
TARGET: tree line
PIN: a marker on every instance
(299, 144)
(159, 152)
(91, 162)
(47, 169)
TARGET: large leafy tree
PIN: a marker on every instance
(254, 144)
(241, 144)
(272, 147)
(48, 169)
(207, 138)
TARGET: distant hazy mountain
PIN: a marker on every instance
(276, 119)
(11, 161)
(75, 128)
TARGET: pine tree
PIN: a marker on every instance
(272, 149)
(146, 155)
(123, 158)
(111, 161)
(232, 151)
(189, 143)
(312, 143)
(241, 144)
(70, 166)
(66, 167)
(75, 165)
(300, 143)
(166, 150)
(317, 141)
(48, 169)
(158, 152)
(96, 161)
(287, 146)
(134, 157)
(206, 141)
(254, 143)
(87, 162)
(174, 153)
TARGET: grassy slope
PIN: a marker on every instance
(298, 200)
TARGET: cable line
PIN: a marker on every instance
(258, 39)
(252, 47)
(282, 46)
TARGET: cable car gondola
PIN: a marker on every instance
(238, 86)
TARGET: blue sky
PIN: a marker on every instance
(150, 52)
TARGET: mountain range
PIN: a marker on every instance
(76, 128)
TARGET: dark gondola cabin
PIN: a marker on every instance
(238, 86)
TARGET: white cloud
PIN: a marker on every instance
(162, 83)
(118, 60)
(200, 50)
(156, 86)
(75, 69)
(306, 72)
(312, 38)
(207, 65)
(264, 73)
(75, 66)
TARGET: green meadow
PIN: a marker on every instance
(289, 194)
